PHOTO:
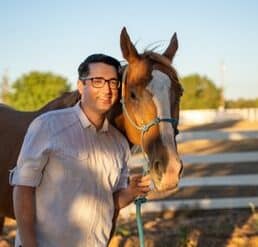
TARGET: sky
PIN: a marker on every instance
(217, 39)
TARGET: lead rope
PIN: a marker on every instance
(143, 128)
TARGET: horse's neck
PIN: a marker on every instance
(64, 101)
(115, 116)
(114, 113)
(54, 105)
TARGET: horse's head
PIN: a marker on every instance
(150, 97)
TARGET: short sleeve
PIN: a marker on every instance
(33, 155)
(123, 181)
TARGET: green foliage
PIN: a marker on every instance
(33, 90)
(242, 103)
(4, 87)
(199, 93)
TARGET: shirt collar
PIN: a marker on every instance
(86, 122)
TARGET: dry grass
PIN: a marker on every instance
(216, 228)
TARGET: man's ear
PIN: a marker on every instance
(80, 86)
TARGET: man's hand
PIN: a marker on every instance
(139, 185)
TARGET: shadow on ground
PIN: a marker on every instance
(216, 228)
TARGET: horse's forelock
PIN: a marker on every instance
(139, 72)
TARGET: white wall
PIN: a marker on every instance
(195, 117)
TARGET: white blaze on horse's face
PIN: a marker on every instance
(160, 87)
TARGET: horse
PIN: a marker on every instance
(150, 97)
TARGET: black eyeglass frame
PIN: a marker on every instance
(116, 83)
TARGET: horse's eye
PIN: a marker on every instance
(133, 95)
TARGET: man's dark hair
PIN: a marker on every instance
(84, 69)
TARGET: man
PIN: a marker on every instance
(71, 176)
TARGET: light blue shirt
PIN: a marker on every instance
(75, 170)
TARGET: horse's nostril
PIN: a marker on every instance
(157, 165)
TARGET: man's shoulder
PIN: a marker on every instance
(57, 120)
(57, 113)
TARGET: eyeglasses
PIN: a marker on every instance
(99, 82)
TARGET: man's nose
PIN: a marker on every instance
(107, 86)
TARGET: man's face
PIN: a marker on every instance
(99, 100)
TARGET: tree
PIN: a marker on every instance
(242, 103)
(33, 90)
(199, 93)
(4, 87)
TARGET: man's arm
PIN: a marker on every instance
(24, 209)
(138, 186)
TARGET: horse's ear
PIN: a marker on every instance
(128, 50)
(172, 48)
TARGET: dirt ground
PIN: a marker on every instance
(210, 228)
(216, 228)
